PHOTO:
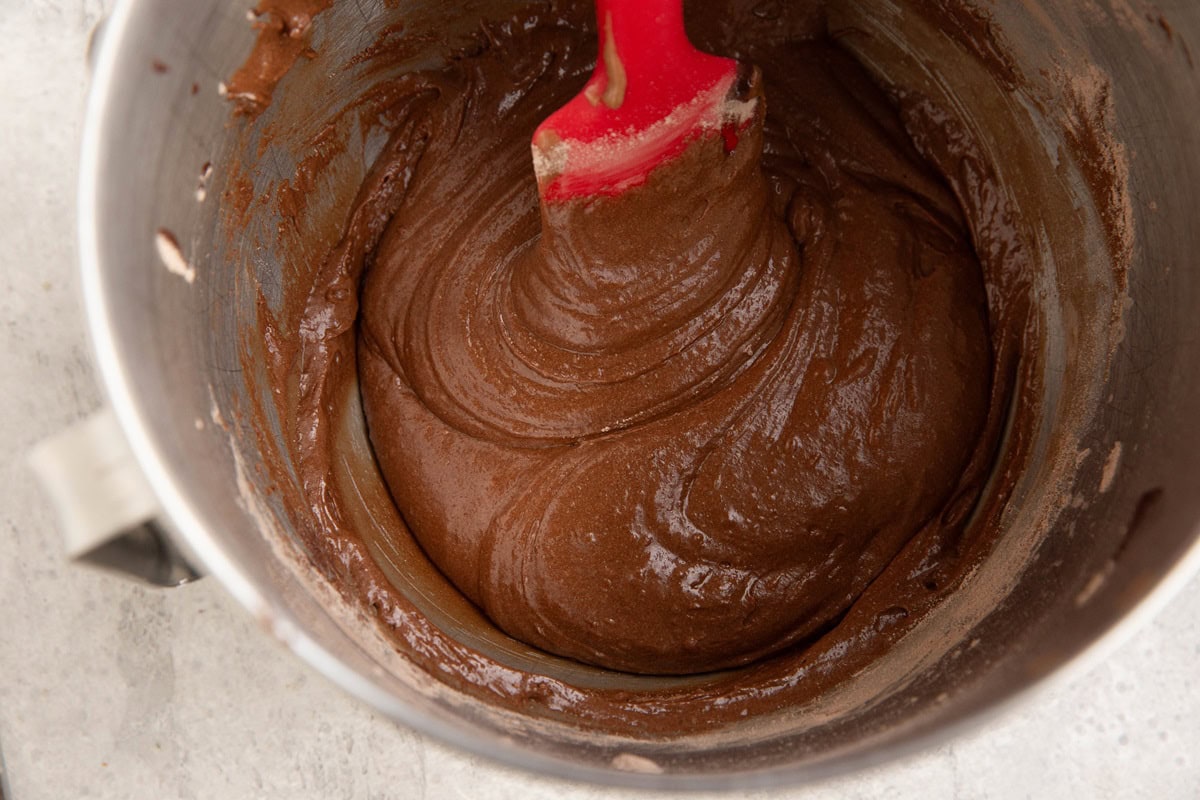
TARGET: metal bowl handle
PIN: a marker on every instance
(109, 515)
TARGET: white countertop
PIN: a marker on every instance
(108, 689)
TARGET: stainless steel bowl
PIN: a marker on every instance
(1102, 526)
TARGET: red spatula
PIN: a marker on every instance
(651, 95)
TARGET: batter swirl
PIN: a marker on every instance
(684, 428)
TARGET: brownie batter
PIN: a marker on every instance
(681, 428)
(734, 424)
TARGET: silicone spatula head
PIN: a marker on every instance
(652, 93)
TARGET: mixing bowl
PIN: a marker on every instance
(1091, 108)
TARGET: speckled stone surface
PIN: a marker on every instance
(110, 690)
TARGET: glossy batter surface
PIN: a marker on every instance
(684, 428)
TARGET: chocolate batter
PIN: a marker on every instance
(737, 418)
(682, 428)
